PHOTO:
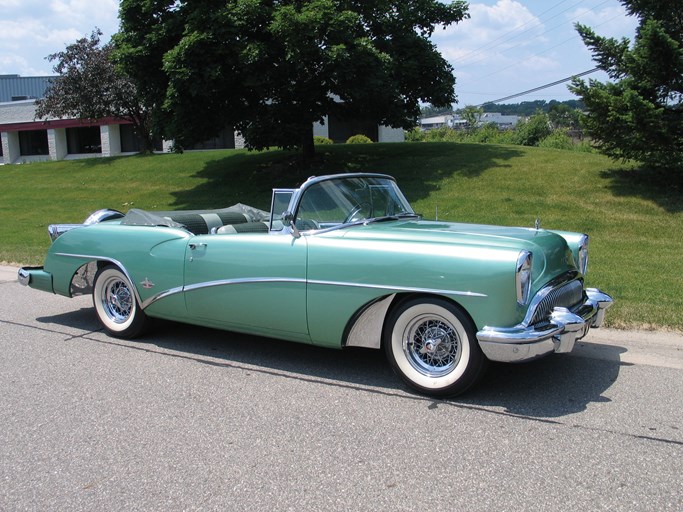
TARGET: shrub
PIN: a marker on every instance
(488, 133)
(319, 139)
(359, 139)
(557, 140)
(415, 135)
(533, 130)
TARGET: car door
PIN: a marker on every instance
(249, 282)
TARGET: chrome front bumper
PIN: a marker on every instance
(558, 334)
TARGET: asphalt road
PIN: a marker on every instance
(196, 419)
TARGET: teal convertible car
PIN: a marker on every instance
(340, 261)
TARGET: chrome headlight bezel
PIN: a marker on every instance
(523, 277)
(583, 254)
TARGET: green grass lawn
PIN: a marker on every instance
(635, 219)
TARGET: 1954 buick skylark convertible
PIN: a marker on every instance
(341, 261)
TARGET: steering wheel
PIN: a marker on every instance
(353, 215)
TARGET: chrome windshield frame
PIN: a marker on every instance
(299, 193)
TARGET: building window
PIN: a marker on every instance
(83, 140)
(33, 142)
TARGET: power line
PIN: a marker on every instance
(546, 86)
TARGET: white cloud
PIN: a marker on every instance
(30, 30)
(611, 21)
(491, 30)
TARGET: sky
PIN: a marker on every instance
(506, 46)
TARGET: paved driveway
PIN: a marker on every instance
(197, 419)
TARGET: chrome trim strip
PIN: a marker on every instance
(256, 280)
(409, 289)
(394, 289)
(246, 280)
(161, 295)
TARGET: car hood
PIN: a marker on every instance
(452, 232)
(551, 252)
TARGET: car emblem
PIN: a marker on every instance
(147, 284)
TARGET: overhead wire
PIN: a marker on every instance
(518, 62)
(546, 86)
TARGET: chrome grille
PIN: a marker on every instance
(566, 295)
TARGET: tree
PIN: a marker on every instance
(472, 115)
(562, 115)
(272, 69)
(533, 130)
(639, 115)
(89, 86)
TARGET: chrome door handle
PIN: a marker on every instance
(197, 246)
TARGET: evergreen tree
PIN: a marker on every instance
(639, 114)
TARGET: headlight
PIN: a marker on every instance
(583, 254)
(523, 277)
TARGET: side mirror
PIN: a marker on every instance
(289, 221)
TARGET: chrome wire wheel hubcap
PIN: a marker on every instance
(117, 301)
(432, 346)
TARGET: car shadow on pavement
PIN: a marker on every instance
(551, 387)
(554, 386)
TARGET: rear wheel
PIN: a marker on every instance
(432, 346)
(116, 305)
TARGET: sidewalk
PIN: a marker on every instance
(657, 348)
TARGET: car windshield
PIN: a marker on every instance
(338, 201)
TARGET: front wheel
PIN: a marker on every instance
(116, 305)
(432, 346)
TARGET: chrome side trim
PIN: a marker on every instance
(255, 280)
(408, 289)
(246, 280)
(159, 296)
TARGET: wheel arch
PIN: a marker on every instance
(83, 279)
(363, 328)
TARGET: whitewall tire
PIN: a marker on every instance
(432, 346)
(116, 305)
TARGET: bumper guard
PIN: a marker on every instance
(558, 334)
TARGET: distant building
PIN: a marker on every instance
(17, 88)
(455, 121)
(27, 139)
(503, 122)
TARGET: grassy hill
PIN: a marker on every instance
(635, 221)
